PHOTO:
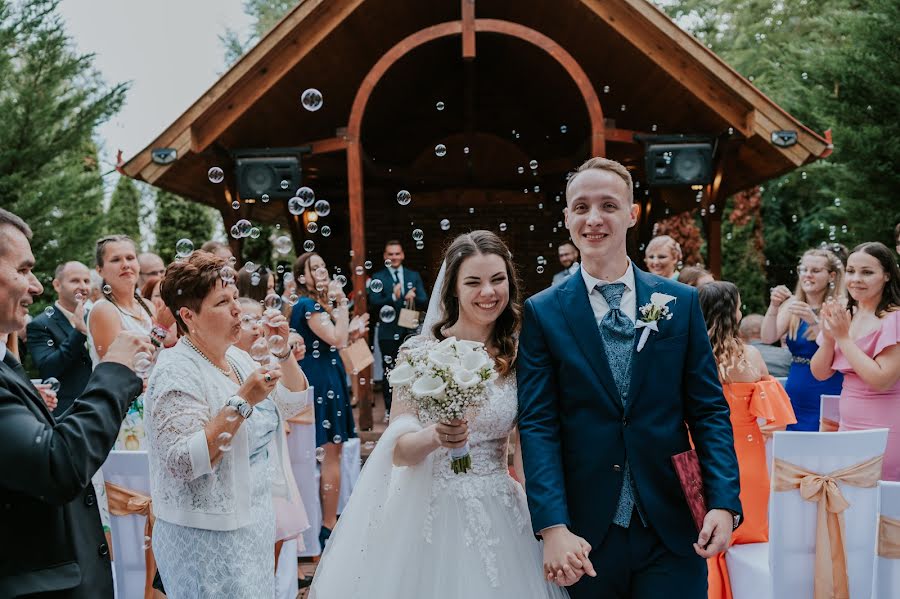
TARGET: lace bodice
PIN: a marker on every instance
(488, 480)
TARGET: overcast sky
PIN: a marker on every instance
(168, 49)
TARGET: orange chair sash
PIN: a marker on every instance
(831, 580)
(125, 502)
(889, 537)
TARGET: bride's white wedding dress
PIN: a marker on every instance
(424, 532)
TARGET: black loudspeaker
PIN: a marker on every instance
(678, 164)
(276, 176)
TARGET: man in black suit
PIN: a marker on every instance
(57, 338)
(51, 540)
(399, 285)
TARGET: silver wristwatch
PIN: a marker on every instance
(240, 404)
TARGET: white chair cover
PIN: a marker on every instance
(350, 467)
(129, 469)
(830, 408)
(302, 449)
(886, 575)
(286, 586)
(783, 567)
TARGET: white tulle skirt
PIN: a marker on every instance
(408, 535)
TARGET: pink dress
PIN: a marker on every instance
(864, 408)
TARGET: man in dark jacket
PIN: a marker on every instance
(51, 540)
(57, 339)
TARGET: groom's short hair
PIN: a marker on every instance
(603, 164)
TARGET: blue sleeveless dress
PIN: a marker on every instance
(802, 387)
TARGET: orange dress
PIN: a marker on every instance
(748, 401)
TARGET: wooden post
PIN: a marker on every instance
(468, 29)
(230, 218)
(713, 203)
(363, 393)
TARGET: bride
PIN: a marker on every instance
(413, 528)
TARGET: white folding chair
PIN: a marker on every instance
(350, 467)
(129, 469)
(886, 575)
(302, 449)
(829, 413)
(784, 566)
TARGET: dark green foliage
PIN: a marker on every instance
(832, 64)
(51, 100)
(177, 218)
(124, 213)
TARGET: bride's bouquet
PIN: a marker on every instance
(447, 380)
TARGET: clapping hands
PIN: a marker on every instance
(836, 321)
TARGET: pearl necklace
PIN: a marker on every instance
(227, 373)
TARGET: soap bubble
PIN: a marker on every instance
(312, 226)
(259, 351)
(320, 454)
(244, 227)
(227, 274)
(283, 244)
(440, 150)
(502, 227)
(272, 302)
(53, 383)
(376, 286)
(265, 198)
(250, 266)
(277, 344)
(311, 99)
(323, 208)
(284, 184)
(404, 197)
(107, 289)
(215, 174)
(417, 234)
(49, 310)
(235, 205)
(439, 106)
(309, 245)
(445, 225)
(563, 129)
(533, 164)
(183, 248)
(307, 196)
(254, 233)
(368, 264)
(236, 232)
(387, 314)
(326, 231)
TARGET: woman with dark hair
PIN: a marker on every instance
(751, 394)
(256, 284)
(820, 277)
(695, 276)
(217, 447)
(863, 342)
(322, 318)
(413, 528)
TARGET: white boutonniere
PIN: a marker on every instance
(651, 314)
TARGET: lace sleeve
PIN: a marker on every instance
(290, 403)
(178, 433)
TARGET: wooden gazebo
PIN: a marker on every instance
(552, 82)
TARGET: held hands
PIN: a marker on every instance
(410, 295)
(453, 434)
(716, 533)
(359, 327)
(398, 290)
(566, 556)
(779, 295)
(259, 384)
(126, 345)
(77, 319)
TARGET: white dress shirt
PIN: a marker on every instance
(399, 271)
(3, 348)
(628, 305)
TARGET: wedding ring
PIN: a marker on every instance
(268, 378)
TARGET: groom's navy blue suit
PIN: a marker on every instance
(576, 432)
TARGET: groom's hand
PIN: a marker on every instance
(716, 532)
(565, 556)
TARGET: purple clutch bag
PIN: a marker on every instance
(687, 468)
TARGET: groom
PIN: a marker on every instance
(600, 415)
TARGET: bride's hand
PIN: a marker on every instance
(452, 434)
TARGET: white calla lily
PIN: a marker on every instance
(426, 386)
(474, 360)
(465, 344)
(660, 299)
(445, 359)
(466, 379)
(446, 345)
(402, 374)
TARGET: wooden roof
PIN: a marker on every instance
(650, 76)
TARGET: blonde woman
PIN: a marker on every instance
(820, 278)
(663, 256)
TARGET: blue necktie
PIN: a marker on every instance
(617, 332)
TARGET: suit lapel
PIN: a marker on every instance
(641, 361)
(62, 324)
(576, 309)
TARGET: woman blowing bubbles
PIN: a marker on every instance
(213, 419)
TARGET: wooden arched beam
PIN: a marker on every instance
(404, 47)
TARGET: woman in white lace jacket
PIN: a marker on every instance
(213, 421)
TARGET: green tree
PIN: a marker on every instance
(265, 14)
(832, 64)
(177, 218)
(50, 104)
(124, 213)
